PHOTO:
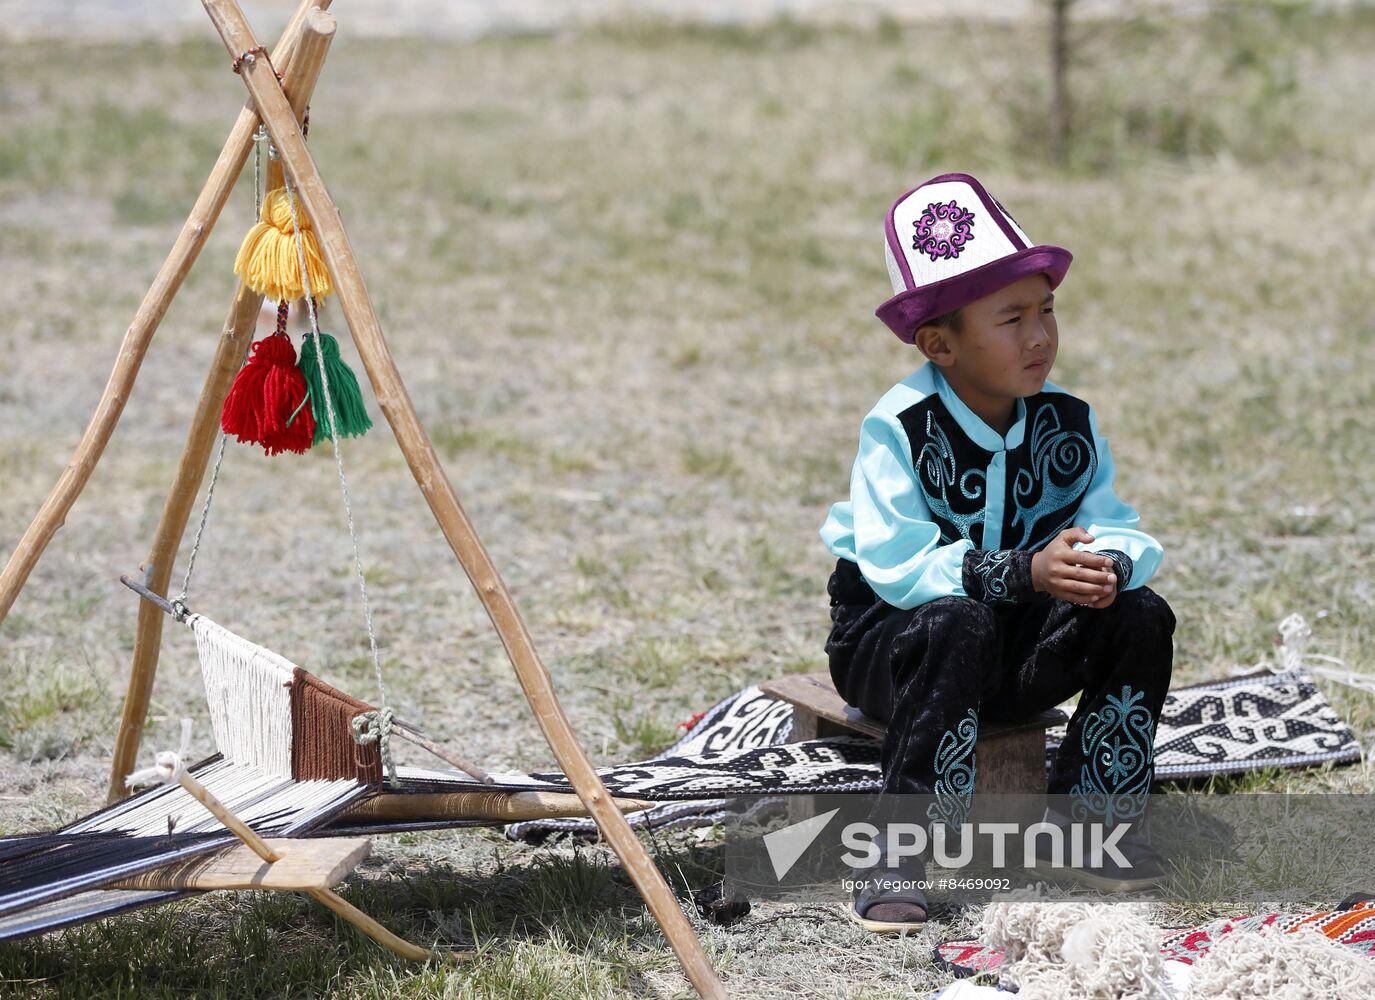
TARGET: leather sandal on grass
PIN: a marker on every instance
(905, 901)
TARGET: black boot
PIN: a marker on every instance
(1145, 869)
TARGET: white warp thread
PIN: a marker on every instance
(248, 690)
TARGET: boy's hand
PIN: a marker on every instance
(1073, 575)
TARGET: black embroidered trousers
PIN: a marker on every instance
(934, 672)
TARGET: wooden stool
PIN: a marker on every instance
(1011, 755)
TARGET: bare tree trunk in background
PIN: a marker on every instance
(1059, 66)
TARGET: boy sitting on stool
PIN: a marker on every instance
(986, 569)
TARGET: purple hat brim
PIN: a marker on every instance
(905, 312)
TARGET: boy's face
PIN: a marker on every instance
(1004, 334)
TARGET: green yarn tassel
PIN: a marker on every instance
(349, 413)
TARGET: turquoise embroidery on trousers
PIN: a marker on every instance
(1118, 744)
(955, 760)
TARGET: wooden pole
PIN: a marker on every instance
(420, 454)
(53, 514)
(509, 807)
(231, 822)
(384, 937)
(316, 33)
(1059, 87)
(448, 756)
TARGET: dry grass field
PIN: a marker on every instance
(628, 274)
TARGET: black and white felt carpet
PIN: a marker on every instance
(740, 747)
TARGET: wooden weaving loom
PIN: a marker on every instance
(245, 790)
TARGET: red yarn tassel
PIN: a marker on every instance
(267, 404)
(242, 413)
(284, 391)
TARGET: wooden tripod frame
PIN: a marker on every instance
(268, 103)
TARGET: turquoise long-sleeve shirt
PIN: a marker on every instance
(943, 505)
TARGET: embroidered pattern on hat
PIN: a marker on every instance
(943, 230)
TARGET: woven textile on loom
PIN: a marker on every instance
(287, 765)
(1352, 928)
(740, 747)
(269, 713)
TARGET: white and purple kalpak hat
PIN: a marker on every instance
(950, 242)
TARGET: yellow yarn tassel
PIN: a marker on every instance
(268, 261)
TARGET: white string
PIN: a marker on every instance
(382, 735)
(259, 137)
(260, 800)
(168, 766)
(179, 602)
(1275, 962)
(1295, 634)
(1089, 951)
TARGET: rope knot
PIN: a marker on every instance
(250, 56)
(167, 765)
(1295, 634)
(375, 727)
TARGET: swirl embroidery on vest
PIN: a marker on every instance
(937, 470)
(1118, 744)
(1056, 455)
(992, 569)
(955, 762)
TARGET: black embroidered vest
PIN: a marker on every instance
(1047, 475)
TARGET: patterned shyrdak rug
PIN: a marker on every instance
(739, 747)
(1257, 720)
